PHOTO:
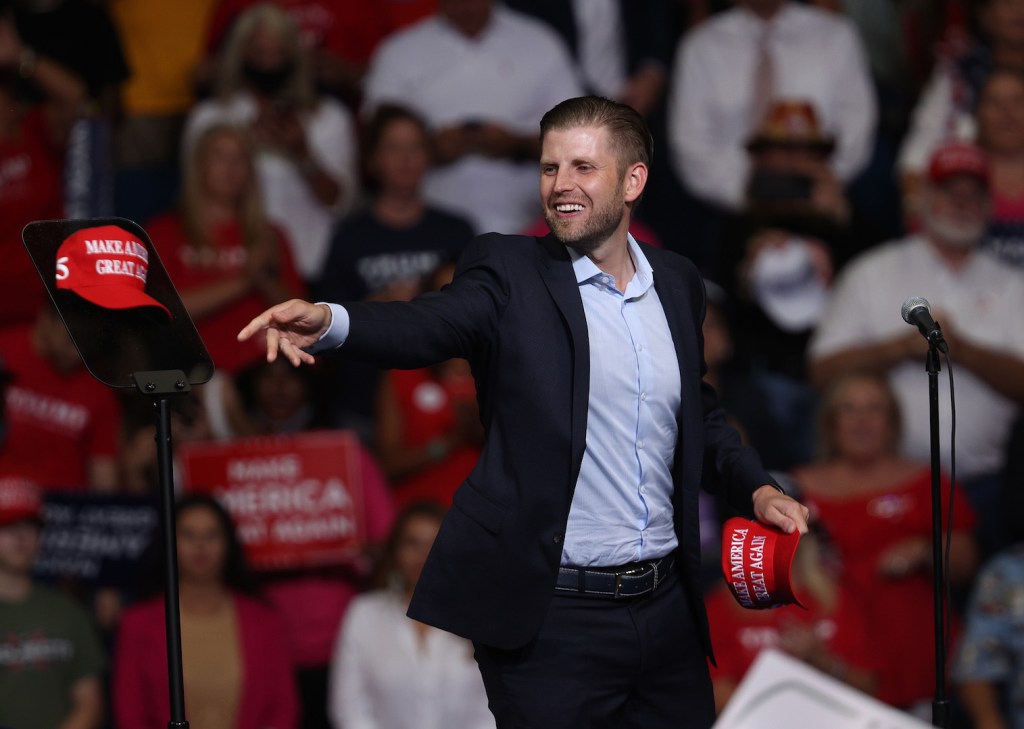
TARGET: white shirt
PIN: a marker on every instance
(287, 197)
(511, 73)
(817, 56)
(980, 301)
(621, 508)
(383, 677)
(602, 45)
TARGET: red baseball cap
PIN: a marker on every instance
(757, 560)
(957, 158)
(107, 266)
(20, 500)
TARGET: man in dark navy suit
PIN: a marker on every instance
(571, 555)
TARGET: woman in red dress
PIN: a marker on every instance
(876, 506)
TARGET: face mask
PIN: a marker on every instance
(268, 80)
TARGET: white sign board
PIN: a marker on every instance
(780, 692)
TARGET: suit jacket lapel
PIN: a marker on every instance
(560, 279)
(676, 303)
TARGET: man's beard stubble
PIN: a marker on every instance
(597, 229)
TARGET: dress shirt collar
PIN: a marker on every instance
(753, 23)
(938, 263)
(499, 15)
(586, 269)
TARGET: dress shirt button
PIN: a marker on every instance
(643, 396)
(639, 348)
(640, 444)
(557, 539)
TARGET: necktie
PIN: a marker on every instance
(764, 78)
(601, 45)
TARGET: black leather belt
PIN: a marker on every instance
(631, 580)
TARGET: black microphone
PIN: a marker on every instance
(916, 311)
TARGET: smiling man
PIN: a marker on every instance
(571, 554)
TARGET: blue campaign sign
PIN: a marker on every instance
(99, 539)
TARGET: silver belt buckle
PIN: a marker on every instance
(628, 573)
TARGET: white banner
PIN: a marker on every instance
(780, 692)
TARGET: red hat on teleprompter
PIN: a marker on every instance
(106, 265)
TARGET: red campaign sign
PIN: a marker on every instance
(297, 500)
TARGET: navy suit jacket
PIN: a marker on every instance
(514, 311)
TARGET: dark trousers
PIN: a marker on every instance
(600, 663)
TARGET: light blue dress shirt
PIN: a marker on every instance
(622, 508)
(621, 511)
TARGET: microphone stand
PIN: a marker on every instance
(940, 704)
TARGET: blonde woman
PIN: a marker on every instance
(226, 259)
(306, 152)
(876, 505)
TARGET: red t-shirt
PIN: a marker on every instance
(219, 329)
(899, 611)
(56, 423)
(739, 634)
(349, 30)
(403, 13)
(427, 408)
(1007, 208)
(31, 188)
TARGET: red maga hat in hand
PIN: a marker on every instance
(757, 560)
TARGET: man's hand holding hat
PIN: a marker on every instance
(771, 506)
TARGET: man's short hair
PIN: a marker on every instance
(630, 137)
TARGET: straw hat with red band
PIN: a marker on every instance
(106, 266)
(20, 500)
(757, 560)
(791, 123)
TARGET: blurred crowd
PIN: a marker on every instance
(820, 162)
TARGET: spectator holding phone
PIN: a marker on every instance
(305, 142)
(776, 259)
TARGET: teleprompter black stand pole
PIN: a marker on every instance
(131, 332)
(160, 386)
(940, 704)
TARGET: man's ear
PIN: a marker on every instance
(634, 181)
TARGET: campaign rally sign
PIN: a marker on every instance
(297, 500)
(782, 692)
(99, 539)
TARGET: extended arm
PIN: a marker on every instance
(397, 334)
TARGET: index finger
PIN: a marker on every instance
(263, 321)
